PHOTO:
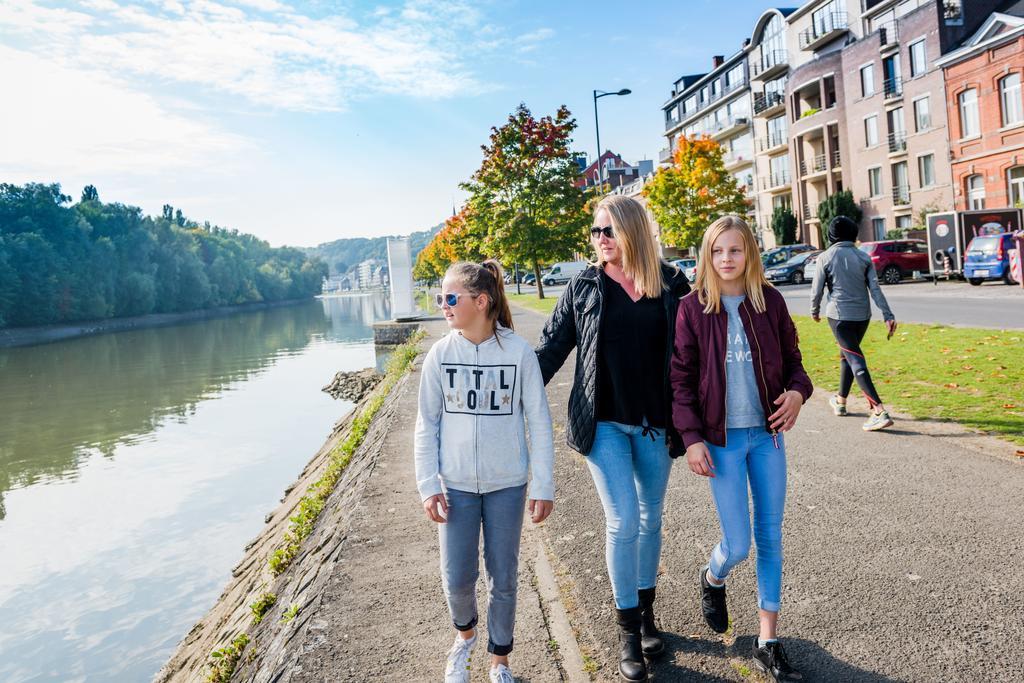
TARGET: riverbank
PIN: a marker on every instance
(46, 334)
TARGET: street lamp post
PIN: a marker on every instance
(597, 129)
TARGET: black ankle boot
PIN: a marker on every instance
(631, 658)
(651, 639)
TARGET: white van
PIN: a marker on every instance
(561, 273)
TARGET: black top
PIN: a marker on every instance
(631, 358)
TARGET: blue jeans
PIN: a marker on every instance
(630, 466)
(750, 454)
(500, 513)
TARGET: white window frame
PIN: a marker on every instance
(917, 118)
(868, 144)
(1015, 186)
(975, 195)
(875, 222)
(924, 57)
(875, 172)
(1014, 100)
(874, 89)
(920, 169)
(962, 103)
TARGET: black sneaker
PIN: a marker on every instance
(772, 660)
(712, 603)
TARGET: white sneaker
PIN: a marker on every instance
(838, 409)
(457, 668)
(877, 421)
(501, 674)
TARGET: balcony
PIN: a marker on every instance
(816, 164)
(671, 122)
(731, 125)
(734, 161)
(772, 142)
(893, 87)
(665, 155)
(823, 30)
(901, 195)
(837, 160)
(888, 36)
(898, 142)
(772, 62)
(768, 103)
(775, 181)
(810, 212)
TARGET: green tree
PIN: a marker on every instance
(838, 204)
(89, 194)
(523, 197)
(693, 192)
(783, 225)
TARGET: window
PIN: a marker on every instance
(714, 88)
(867, 80)
(906, 223)
(734, 77)
(922, 114)
(926, 167)
(875, 181)
(690, 105)
(891, 73)
(878, 227)
(703, 95)
(969, 124)
(975, 192)
(1013, 108)
(777, 130)
(918, 63)
(871, 131)
(1015, 179)
(900, 184)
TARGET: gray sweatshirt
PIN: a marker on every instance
(474, 403)
(850, 276)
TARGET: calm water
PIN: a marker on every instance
(135, 467)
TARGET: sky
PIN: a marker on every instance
(306, 122)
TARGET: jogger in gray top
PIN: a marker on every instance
(850, 277)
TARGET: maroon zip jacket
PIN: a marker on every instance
(697, 369)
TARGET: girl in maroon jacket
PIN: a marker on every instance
(738, 382)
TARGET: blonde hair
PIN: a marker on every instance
(635, 237)
(709, 284)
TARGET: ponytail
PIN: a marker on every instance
(485, 278)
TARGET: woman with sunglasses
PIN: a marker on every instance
(618, 315)
(480, 385)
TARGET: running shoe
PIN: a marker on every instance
(838, 408)
(712, 604)
(457, 669)
(877, 422)
(772, 660)
(501, 674)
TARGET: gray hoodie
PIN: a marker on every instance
(850, 276)
(471, 431)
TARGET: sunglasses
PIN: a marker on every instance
(451, 299)
(597, 230)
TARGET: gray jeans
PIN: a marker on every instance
(500, 513)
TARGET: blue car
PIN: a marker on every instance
(988, 258)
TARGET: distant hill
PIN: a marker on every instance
(345, 254)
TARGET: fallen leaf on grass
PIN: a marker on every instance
(952, 385)
(1009, 406)
(1020, 452)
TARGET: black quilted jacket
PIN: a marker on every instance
(575, 323)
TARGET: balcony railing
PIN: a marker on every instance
(901, 195)
(893, 87)
(816, 164)
(771, 60)
(810, 212)
(727, 124)
(888, 34)
(837, 159)
(822, 29)
(897, 142)
(769, 100)
(775, 179)
(665, 155)
(770, 141)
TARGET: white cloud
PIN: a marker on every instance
(261, 50)
(72, 122)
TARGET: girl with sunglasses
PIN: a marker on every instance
(618, 316)
(479, 387)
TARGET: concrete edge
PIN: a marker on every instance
(571, 662)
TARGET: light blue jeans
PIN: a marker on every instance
(630, 466)
(750, 455)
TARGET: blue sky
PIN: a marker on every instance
(304, 122)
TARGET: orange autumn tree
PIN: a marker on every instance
(459, 240)
(693, 192)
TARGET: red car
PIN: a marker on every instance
(897, 259)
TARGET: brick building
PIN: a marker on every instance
(983, 80)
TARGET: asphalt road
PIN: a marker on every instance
(991, 304)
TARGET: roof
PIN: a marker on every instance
(999, 28)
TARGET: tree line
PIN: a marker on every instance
(63, 262)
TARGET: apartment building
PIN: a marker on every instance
(716, 104)
(986, 113)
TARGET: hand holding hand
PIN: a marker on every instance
(430, 506)
(540, 509)
(784, 418)
(699, 460)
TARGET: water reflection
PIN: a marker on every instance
(137, 465)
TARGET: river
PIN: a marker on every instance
(135, 466)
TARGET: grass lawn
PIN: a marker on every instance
(971, 376)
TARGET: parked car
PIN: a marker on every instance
(531, 279)
(811, 266)
(791, 271)
(779, 255)
(562, 272)
(896, 259)
(988, 258)
(688, 266)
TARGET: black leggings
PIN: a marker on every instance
(848, 334)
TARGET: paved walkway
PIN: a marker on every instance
(904, 559)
